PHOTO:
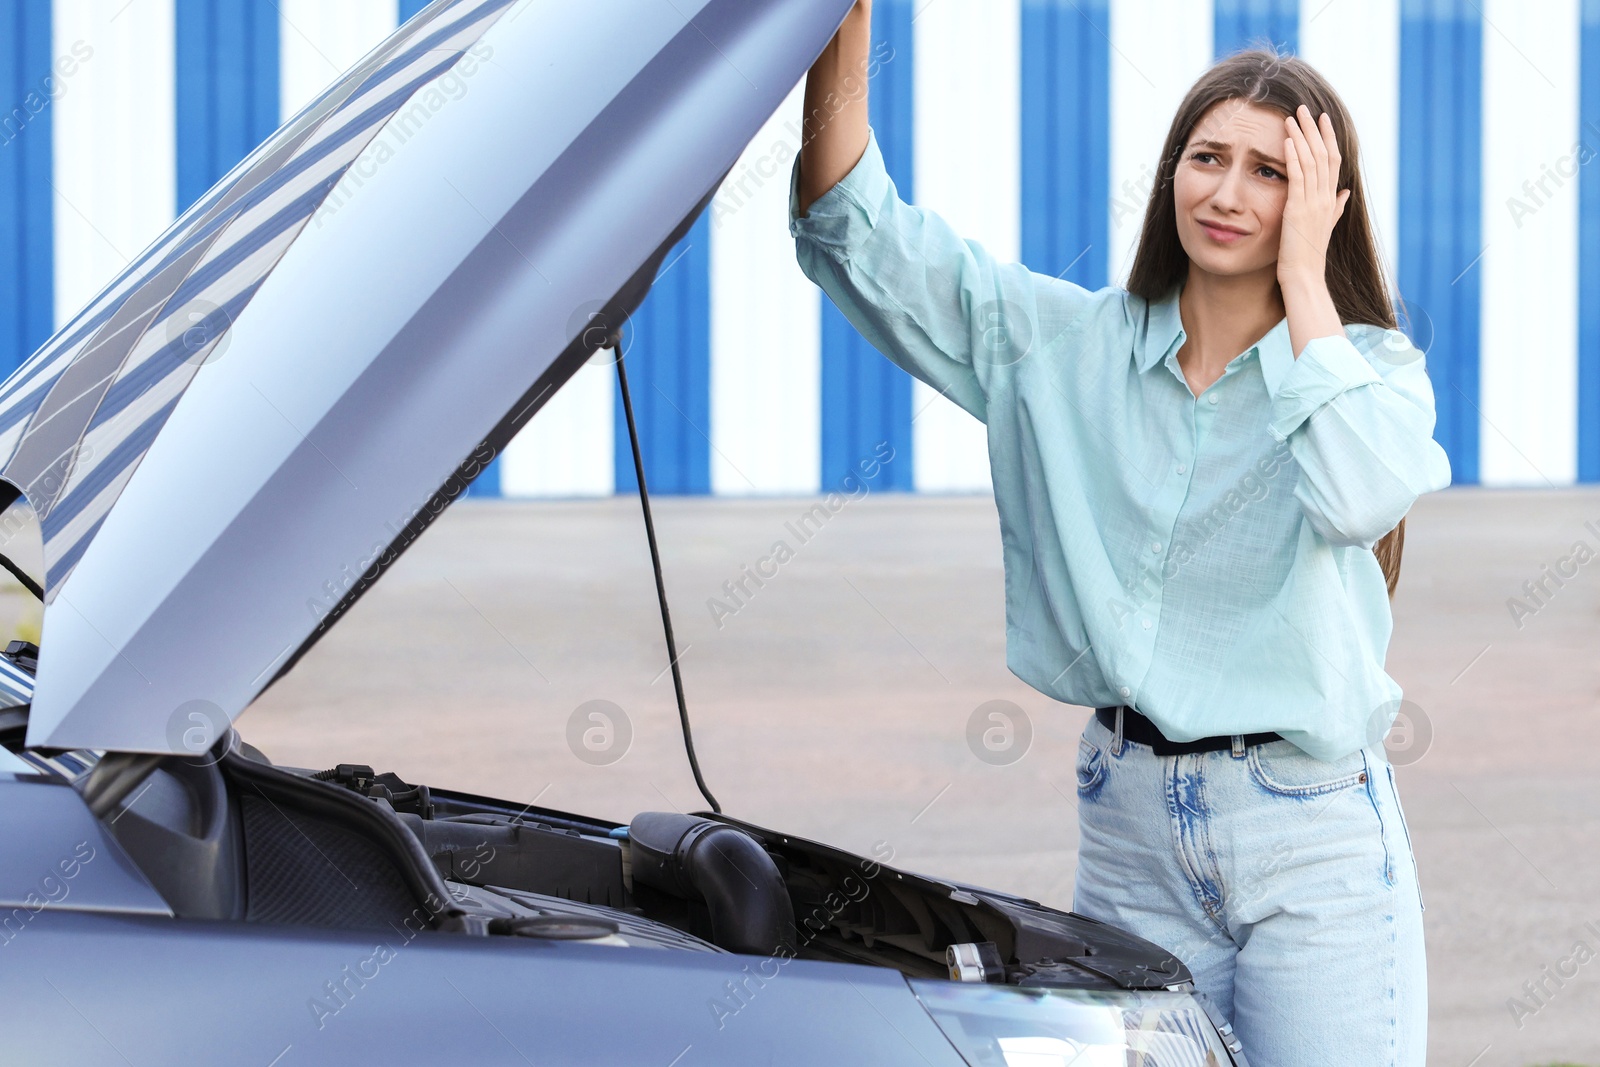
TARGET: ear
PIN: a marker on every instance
(1344, 196)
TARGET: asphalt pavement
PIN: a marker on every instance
(516, 650)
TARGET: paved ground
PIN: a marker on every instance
(834, 703)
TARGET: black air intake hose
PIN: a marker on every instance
(697, 859)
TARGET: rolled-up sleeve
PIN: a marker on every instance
(1358, 414)
(940, 307)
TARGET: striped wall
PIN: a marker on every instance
(1441, 105)
(864, 400)
(28, 76)
(1032, 125)
(1589, 247)
(226, 87)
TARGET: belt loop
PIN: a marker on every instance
(1238, 745)
(1116, 737)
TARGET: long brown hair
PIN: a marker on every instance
(1355, 275)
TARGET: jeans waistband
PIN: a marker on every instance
(1136, 727)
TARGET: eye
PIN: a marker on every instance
(1198, 154)
(1270, 171)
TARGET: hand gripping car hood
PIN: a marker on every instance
(238, 435)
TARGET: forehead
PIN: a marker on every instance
(1242, 124)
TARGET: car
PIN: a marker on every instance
(235, 439)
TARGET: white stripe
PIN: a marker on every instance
(766, 325)
(1529, 275)
(968, 169)
(1158, 49)
(321, 40)
(567, 450)
(1356, 46)
(114, 140)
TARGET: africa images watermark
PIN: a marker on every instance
(418, 111)
(50, 891)
(49, 89)
(1537, 192)
(1537, 993)
(853, 888)
(737, 190)
(1251, 487)
(406, 530)
(1538, 592)
(340, 991)
(810, 522)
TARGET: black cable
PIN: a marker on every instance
(615, 344)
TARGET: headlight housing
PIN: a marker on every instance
(1020, 1026)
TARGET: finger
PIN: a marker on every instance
(1318, 152)
(1302, 145)
(1292, 163)
(1302, 151)
(1330, 145)
(1314, 159)
(1330, 138)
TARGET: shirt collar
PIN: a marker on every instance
(1164, 333)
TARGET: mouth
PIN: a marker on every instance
(1222, 234)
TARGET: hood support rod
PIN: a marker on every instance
(614, 342)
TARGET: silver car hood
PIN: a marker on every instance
(233, 440)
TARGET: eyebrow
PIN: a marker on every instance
(1228, 147)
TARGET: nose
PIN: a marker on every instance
(1228, 195)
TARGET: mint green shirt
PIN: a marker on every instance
(1205, 559)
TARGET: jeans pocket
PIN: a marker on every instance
(1091, 768)
(1400, 817)
(1283, 768)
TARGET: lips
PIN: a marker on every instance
(1225, 234)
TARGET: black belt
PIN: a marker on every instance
(1136, 727)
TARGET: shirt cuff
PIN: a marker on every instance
(840, 219)
(1328, 366)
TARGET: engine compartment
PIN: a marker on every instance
(845, 907)
(230, 836)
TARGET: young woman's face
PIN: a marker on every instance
(1232, 173)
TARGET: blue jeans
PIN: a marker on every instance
(1285, 883)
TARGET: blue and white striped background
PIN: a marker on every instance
(1033, 125)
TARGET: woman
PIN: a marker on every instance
(1201, 481)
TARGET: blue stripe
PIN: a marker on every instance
(410, 8)
(1441, 131)
(227, 87)
(865, 398)
(1238, 24)
(27, 219)
(1589, 248)
(127, 452)
(669, 374)
(1066, 141)
(478, 13)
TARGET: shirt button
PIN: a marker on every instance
(1212, 399)
(1183, 468)
(1156, 547)
(1124, 690)
(1145, 623)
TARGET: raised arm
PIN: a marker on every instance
(939, 306)
(834, 141)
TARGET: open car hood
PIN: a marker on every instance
(210, 462)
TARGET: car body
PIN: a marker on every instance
(211, 462)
